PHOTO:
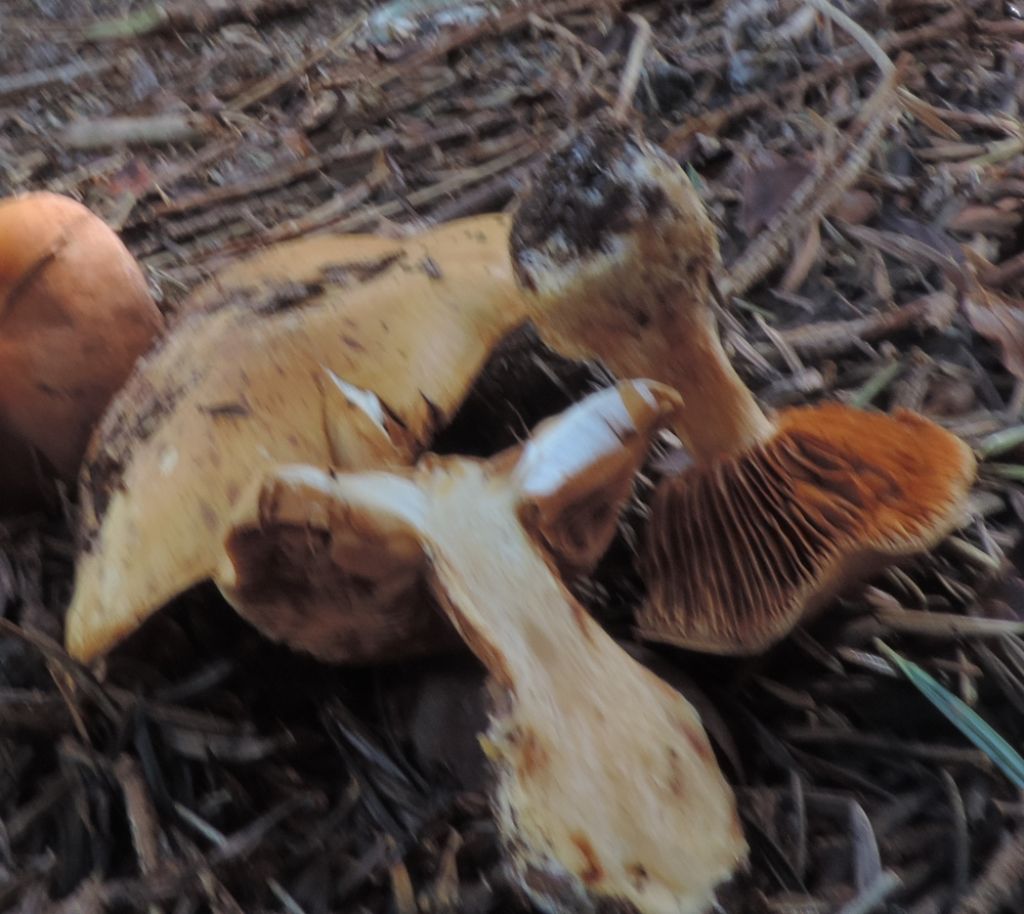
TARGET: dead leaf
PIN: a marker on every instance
(880, 276)
(937, 310)
(855, 207)
(989, 220)
(1002, 323)
(930, 235)
(928, 115)
(997, 317)
(766, 190)
(135, 178)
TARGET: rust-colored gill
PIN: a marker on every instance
(738, 547)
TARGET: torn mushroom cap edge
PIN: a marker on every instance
(576, 469)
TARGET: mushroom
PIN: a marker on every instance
(75, 314)
(607, 790)
(355, 367)
(778, 513)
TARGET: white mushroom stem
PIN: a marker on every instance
(607, 787)
(607, 784)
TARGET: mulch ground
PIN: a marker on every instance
(201, 769)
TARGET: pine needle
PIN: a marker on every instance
(964, 718)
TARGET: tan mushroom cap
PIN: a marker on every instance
(75, 314)
(777, 513)
(356, 367)
(607, 788)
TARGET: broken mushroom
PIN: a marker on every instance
(75, 314)
(777, 513)
(607, 789)
(347, 598)
(355, 367)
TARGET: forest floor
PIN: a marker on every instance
(204, 769)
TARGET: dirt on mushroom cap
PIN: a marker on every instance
(587, 200)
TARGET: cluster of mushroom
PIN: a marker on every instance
(278, 443)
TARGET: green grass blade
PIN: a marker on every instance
(132, 25)
(964, 718)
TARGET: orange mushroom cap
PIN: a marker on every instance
(75, 315)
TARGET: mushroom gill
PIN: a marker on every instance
(739, 549)
(777, 513)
